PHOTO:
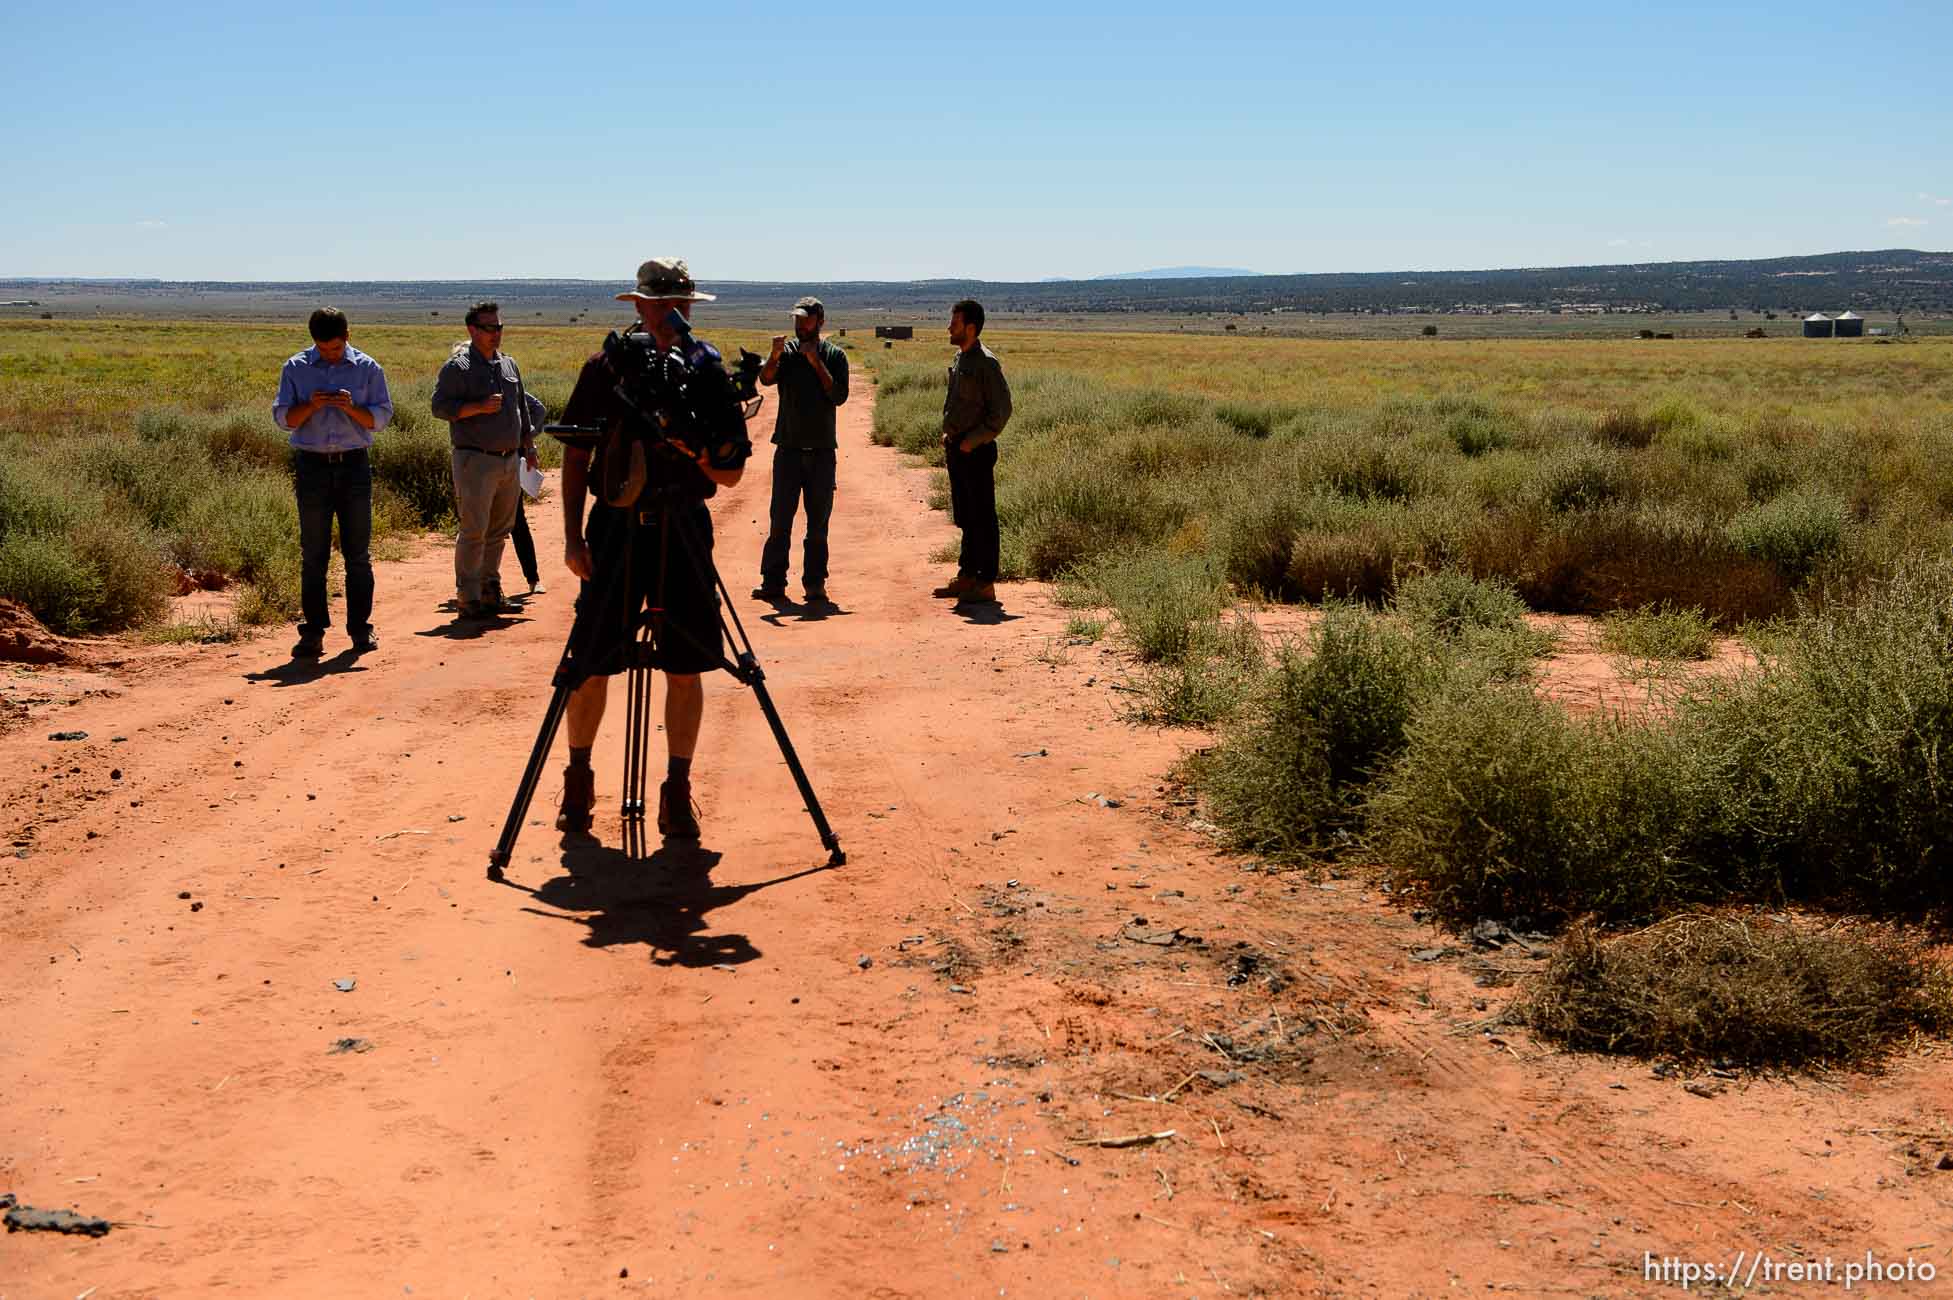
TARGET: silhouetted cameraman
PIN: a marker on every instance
(631, 548)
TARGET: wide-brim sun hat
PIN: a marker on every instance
(665, 278)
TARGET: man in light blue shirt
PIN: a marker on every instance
(332, 397)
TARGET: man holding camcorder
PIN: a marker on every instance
(813, 378)
(975, 410)
(649, 539)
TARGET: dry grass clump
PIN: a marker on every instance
(1742, 991)
(1658, 632)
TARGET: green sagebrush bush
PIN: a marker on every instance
(1794, 533)
(1288, 774)
(1821, 777)
(1501, 805)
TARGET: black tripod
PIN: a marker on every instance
(650, 626)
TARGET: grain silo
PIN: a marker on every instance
(1817, 326)
(1850, 326)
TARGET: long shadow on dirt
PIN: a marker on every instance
(303, 672)
(661, 901)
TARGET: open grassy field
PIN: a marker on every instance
(137, 455)
(1716, 475)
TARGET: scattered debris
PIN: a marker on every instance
(1130, 1140)
(343, 1045)
(1427, 954)
(865, 961)
(1035, 753)
(25, 1218)
(457, 817)
(345, 986)
(1138, 933)
(395, 834)
(1496, 934)
(1221, 1078)
(67, 735)
(1701, 1089)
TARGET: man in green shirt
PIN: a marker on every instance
(975, 410)
(812, 376)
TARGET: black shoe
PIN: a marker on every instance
(366, 642)
(311, 645)
(676, 820)
(815, 595)
(579, 794)
(770, 591)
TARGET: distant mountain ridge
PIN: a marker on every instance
(1180, 273)
(1882, 280)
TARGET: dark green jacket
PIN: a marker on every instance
(805, 416)
(978, 397)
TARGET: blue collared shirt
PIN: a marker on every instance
(331, 429)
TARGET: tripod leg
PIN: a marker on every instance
(751, 673)
(746, 669)
(636, 752)
(504, 849)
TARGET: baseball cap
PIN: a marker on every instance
(810, 307)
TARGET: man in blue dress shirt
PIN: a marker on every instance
(332, 397)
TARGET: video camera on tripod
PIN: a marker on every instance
(681, 403)
(682, 410)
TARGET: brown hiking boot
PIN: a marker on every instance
(676, 820)
(579, 796)
(978, 593)
(953, 589)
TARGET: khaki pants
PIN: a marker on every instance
(485, 495)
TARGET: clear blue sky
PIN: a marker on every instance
(822, 141)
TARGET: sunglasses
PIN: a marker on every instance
(496, 328)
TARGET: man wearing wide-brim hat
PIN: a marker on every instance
(621, 557)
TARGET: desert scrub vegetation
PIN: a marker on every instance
(1658, 632)
(1428, 506)
(138, 455)
(1740, 990)
(1817, 778)
(1578, 474)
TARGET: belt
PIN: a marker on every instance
(333, 456)
(486, 452)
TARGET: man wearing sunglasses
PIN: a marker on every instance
(479, 393)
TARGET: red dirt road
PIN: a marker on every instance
(610, 1077)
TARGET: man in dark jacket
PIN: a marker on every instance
(975, 410)
(812, 375)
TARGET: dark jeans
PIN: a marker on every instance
(799, 474)
(973, 506)
(525, 545)
(329, 489)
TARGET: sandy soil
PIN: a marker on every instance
(736, 1072)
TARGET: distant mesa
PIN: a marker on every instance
(1180, 273)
